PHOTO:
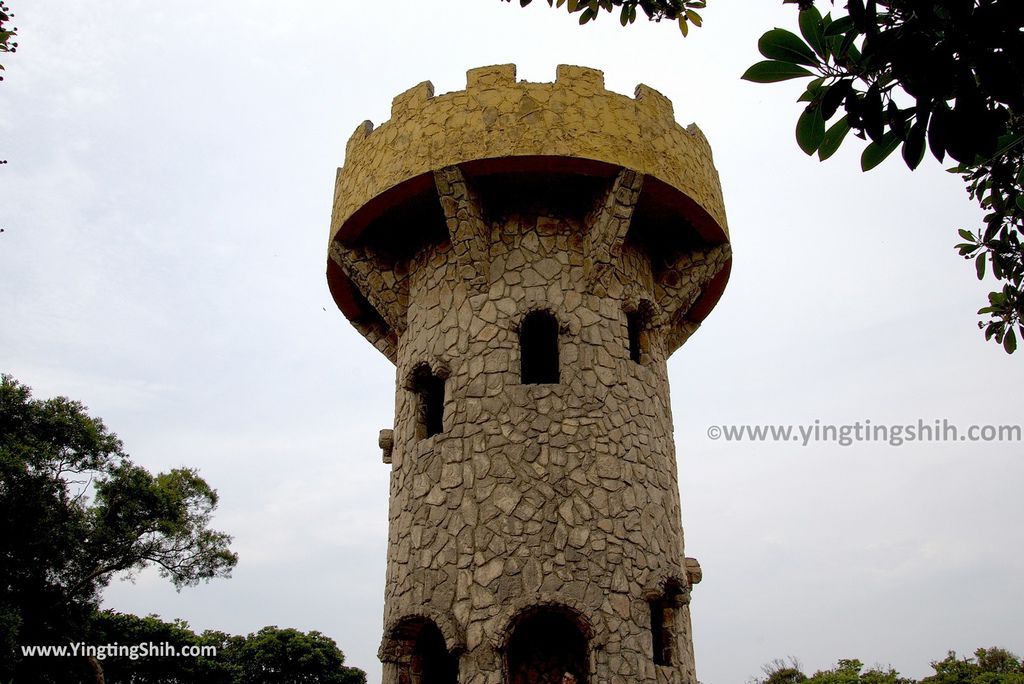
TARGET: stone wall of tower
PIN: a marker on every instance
(534, 528)
(535, 494)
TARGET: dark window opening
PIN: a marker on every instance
(664, 613)
(422, 656)
(429, 389)
(633, 327)
(638, 323)
(546, 644)
(538, 345)
(662, 642)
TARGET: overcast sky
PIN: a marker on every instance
(166, 207)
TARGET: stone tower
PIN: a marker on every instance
(528, 255)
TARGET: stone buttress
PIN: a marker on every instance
(528, 255)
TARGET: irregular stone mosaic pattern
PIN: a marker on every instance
(560, 497)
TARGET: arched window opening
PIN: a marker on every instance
(429, 390)
(419, 649)
(664, 616)
(538, 346)
(546, 644)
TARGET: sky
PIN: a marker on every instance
(166, 206)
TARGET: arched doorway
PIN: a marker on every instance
(545, 643)
(417, 646)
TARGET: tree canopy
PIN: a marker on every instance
(988, 666)
(272, 655)
(7, 32)
(944, 76)
(75, 512)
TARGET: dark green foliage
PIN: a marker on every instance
(7, 32)
(781, 672)
(851, 672)
(989, 666)
(74, 511)
(109, 627)
(288, 656)
(945, 76)
(269, 656)
(682, 11)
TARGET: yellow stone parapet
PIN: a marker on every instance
(498, 117)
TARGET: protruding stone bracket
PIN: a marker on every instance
(608, 224)
(694, 574)
(669, 587)
(384, 287)
(679, 285)
(466, 226)
(386, 441)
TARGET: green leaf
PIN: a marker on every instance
(810, 130)
(771, 71)
(1020, 202)
(839, 27)
(937, 127)
(875, 153)
(786, 46)
(684, 27)
(979, 265)
(834, 137)
(914, 146)
(694, 18)
(966, 234)
(1010, 341)
(813, 30)
(813, 89)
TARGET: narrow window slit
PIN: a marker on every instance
(429, 389)
(538, 345)
(633, 327)
(664, 613)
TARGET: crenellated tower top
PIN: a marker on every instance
(498, 126)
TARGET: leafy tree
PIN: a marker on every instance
(74, 512)
(110, 627)
(7, 32)
(288, 656)
(682, 11)
(270, 656)
(781, 672)
(850, 672)
(845, 672)
(6, 44)
(944, 76)
(989, 666)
